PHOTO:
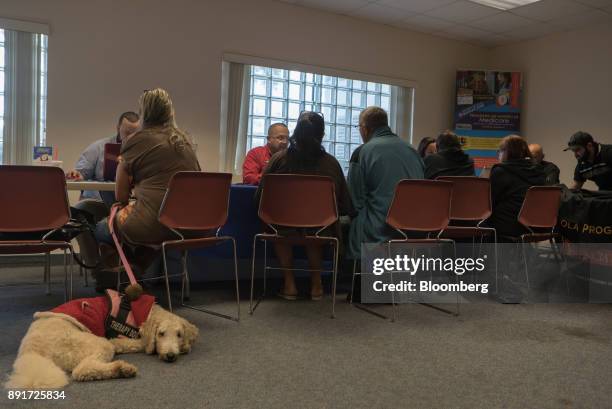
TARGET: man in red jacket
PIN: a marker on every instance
(257, 158)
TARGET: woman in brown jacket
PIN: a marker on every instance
(148, 160)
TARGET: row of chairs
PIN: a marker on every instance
(36, 201)
(456, 207)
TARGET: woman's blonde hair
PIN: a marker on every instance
(156, 110)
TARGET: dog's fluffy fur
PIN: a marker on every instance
(57, 344)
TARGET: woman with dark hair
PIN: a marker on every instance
(427, 147)
(510, 180)
(305, 155)
(449, 160)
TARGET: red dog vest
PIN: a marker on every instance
(110, 316)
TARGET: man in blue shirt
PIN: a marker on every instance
(90, 165)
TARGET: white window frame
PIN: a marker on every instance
(409, 87)
(14, 124)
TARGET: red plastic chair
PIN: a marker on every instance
(418, 206)
(539, 212)
(33, 199)
(196, 202)
(297, 201)
(471, 202)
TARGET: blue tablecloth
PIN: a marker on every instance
(242, 223)
(215, 263)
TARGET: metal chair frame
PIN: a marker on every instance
(265, 237)
(65, 246)
(405, 239)
(184, 274)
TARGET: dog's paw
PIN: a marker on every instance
(126, 370)
(87, 376)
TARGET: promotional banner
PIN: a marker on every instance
(585, 216)
(487, 108)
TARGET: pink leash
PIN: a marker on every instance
(124, 261)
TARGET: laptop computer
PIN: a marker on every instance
(111, 155)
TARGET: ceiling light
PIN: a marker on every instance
(504, 4)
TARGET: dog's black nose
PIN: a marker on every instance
(170, 357)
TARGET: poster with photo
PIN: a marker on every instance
(487, 108)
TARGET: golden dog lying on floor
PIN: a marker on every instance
(57, 344)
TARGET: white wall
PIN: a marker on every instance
(568, 87)
(102, 54)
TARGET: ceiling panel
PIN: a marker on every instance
(424, 23)
(465, 32)
(500, 23)
(462, 11)
(534, 31)
(493, 40)
(583, 19)
(596, 3)
(338, 6)
(465, 20)
(380, 13)
(546, 10)
(416, 6)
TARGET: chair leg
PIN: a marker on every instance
(496, 260)
(393, 306)
(65, 276)
(353, 281)
(561, 261)
(265, 270)
(183, 285)
(359, 305)
(236, 278)
(83, 273)
(435, 307)
(522, 244)
(335, 278)
(48, 272)
(187, 277)
(70, 293)
(166, 278)
(207, 311)
(456, 279)
(251, 309)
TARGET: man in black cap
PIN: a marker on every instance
(594, 161)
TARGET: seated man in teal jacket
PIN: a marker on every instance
(374, 170)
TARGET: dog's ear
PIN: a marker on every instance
(148, 332)
(190, 335)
